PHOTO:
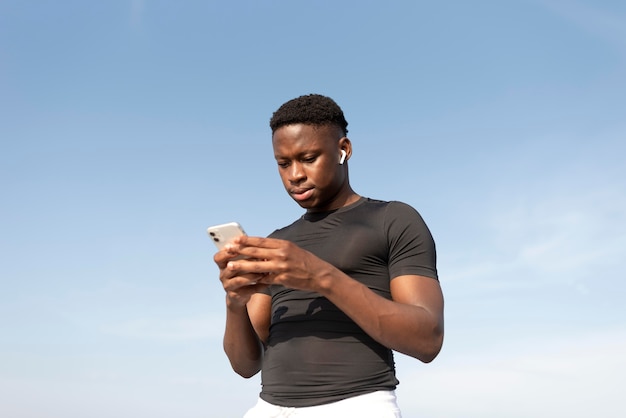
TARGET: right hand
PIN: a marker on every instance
(239, 285)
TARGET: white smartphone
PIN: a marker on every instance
(224, 233)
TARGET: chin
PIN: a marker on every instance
(304, 205)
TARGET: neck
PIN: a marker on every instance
(343, 199)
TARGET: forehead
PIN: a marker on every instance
(305, 136)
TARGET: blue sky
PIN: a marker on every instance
(128, 127)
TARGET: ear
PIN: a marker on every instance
(343, 156)
(345, 149)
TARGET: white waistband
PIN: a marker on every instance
(380, 404)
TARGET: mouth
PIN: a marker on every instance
(301, 194)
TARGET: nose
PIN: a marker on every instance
(296, 173)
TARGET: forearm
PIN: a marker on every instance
(408, 328)
(241, 344)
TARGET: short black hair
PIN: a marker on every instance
(310, 109)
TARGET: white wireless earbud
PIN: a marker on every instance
(343, 157)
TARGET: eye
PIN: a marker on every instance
(283, 164)
(309, 160)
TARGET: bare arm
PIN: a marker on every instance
(247, 318)
(411, 323)
(242, 345)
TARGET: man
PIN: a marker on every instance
(319, 305)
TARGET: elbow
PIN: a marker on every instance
(430, 350)
(428, 357)
(244, 365)
(245, 371)
(246, 374)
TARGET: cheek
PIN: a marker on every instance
(326, 176)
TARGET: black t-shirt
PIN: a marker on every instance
(316, 354)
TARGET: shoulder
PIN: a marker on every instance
(396, 211)
(389, 205)
(403, 220)
(396, 206)
(395, 218)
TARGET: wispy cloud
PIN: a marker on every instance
(565, 233)
(543, 239)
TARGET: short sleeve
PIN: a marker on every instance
(411, 245)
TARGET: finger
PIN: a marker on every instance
(222, 257)
(251, 266)
(259, 242)
(241, 282)
(266, 279)
(243, 294)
